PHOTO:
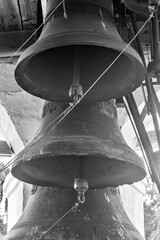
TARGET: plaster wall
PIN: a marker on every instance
(13, 188)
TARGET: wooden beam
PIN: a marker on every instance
(7, 79)
(11, 41)
(9, 16)
(18, 15)
(28, 10)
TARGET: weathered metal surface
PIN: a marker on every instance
(87, 143)
(18, 20)
(92, 29)
(101, 217)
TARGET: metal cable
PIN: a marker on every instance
(72, 209)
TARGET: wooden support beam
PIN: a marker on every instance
(28, 10)
(11, 41)
(9, 16)
(18, 15)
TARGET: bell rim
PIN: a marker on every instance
(51, 42)
(75, 39)
(20, 172)
(106, 149)
(76, 154)
(19, 168)
(54, 198)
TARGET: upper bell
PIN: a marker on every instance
(79, 48)
(87, 144)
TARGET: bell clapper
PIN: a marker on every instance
(76, 90)
(81, 186)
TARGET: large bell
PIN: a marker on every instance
(87, 143)
(101, 217)
(76, 51)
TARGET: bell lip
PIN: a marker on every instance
(18, 166)
(76, 154)
(19, 173)
(76, 147)
(76, 39)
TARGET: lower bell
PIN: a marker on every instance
(87, 143)
(101, 217)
